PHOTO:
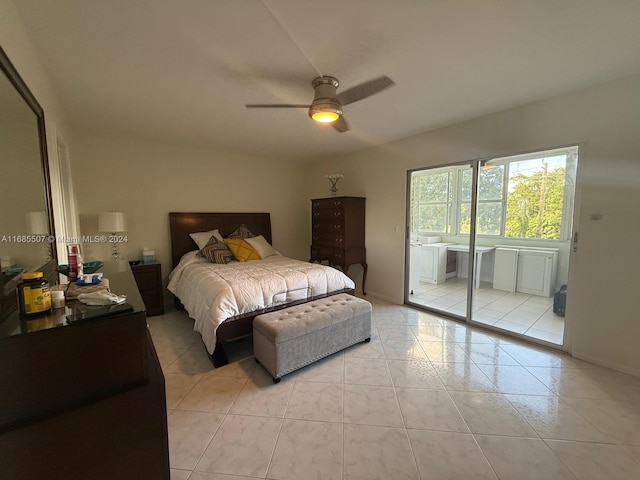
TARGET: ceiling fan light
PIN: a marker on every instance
(325, 117)
(325, 111)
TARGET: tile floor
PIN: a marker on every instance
(427, 399)
(530, 315)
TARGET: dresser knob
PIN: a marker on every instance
(316, 226)
(337, 203)
(337, 226)
(337, 214)
(316, 214)
(338, 240)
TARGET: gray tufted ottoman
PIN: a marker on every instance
(291, 338)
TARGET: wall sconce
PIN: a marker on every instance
(113, 223)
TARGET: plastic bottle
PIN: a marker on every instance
(73, 262)
(80, 268)
(57, 299)
(34, 295)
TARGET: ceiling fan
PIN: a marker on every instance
(327, 103)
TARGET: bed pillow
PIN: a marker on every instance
(261, 246)
(241, 250)
(241, 232)
(202, 238)
(216, 251)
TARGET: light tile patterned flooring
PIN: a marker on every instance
(427, 398)
(530, 315)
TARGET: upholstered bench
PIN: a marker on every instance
(291, 338)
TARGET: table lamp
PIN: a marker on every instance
(113, 223)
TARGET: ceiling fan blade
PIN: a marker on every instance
(364, 90)
(275, 105)
(341, 125)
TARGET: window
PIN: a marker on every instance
(523, 196)
(431, 197)
(490, 201)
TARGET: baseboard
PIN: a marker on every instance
(382, 297)
(604, 363)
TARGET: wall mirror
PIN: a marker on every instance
(26, 220)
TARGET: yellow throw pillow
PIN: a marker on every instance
(241, 249)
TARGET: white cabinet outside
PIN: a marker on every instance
(433, 262)
(534, 268)
(415, 266)
(537, 272)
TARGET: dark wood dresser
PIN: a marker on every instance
(83, 399)
(149, 280)
(337, 232)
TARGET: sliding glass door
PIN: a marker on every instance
(438, 272)
(515, 214)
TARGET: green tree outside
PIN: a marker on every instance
(534, 205)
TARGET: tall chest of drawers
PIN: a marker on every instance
(337, 232)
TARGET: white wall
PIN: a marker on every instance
(18, 47)
(602, 310)
(147, 180)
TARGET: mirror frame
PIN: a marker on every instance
(49, 268)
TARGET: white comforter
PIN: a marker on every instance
(211, 293)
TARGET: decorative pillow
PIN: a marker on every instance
(261, 246)
(241, 249)
(216, 251)
(202, 238)
(241, 232)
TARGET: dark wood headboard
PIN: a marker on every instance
(182, 224)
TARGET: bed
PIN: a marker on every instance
(223, 300)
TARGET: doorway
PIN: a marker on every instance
(515, 214)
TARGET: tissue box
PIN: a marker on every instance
(148, 256)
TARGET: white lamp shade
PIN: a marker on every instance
(38, 223)
(112, 222)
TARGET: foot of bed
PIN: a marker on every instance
(219, 357)
(276, 380)
(367, 340)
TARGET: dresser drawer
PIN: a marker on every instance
(327, 239)
(335, 256)
(326, 228)
(325, 215)
(319, 253)
(327, 203)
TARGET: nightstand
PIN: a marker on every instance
(149, 279)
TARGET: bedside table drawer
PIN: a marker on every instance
(149, 280)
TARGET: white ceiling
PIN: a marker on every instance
(182, 71)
